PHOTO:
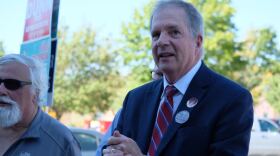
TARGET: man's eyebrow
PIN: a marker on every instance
(172, 27)
(167, 27)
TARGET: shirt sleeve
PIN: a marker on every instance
(73, 149)
(108, 134)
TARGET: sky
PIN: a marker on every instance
(107, 16)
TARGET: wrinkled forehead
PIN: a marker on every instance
(14, 70)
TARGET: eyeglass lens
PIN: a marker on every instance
(13, 84)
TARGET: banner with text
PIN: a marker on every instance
(39, 38)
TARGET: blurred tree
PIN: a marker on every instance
(2, 52)
(136, 49)
(259, 50)
(273, 92)
(220, 36)
(86, 73)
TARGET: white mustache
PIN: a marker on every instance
(7, 100)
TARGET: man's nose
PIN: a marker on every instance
(3, 89)
(163, 39)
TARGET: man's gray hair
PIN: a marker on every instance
(194, 19)
(36, 70)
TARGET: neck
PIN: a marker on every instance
(173, 76)
(11, 132)
(26, 121)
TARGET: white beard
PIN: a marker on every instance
(9, 115)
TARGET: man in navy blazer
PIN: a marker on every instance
(211, 115)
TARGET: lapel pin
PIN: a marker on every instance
(192, 102)
(182, 117)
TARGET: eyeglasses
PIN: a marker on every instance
(13, 84)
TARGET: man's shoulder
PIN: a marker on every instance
(56, 131)
(149, 86)
(221, 81)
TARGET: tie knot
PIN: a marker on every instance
(170, 91)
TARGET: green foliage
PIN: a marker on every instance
(219, 41)
(86, 73)
(261, 47)
(136, 50)
(260, 52)
(273, 92)
(2, 51)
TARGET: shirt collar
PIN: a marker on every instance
(183, 83)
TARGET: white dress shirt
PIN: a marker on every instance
(182, 85)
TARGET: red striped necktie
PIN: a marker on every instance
(164, 118)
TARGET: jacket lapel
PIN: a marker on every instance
(153, 98)
(197, 89)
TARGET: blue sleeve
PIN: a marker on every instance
(73, 149)
(234, 128)
(108, 134)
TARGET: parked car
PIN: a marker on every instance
(88, 140)
(265, 138)
(277, 121)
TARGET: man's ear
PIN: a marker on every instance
(35, 97)
(198, 45)
(199, 41)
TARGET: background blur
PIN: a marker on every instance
(104, 51)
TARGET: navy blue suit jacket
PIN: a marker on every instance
(220, 124)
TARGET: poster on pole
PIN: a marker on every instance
(39, 38)
(38, 20)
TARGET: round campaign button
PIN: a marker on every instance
(192, 102)
(182, 117)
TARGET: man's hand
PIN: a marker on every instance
(110, 151)
(121, 145)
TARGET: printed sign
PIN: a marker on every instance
(38, 19)
(39, 38)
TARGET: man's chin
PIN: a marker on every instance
(167, 69)
(9, 116)
(8, 124)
